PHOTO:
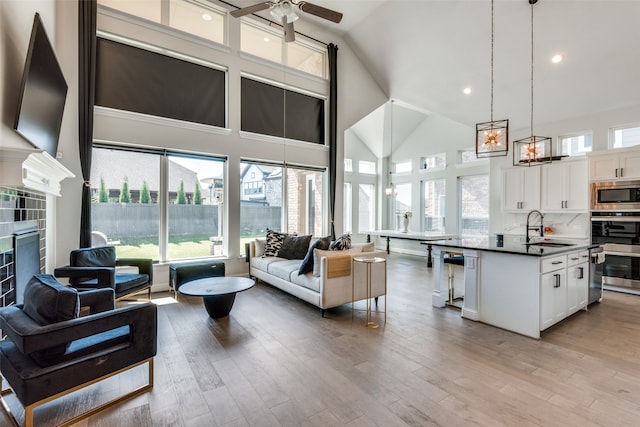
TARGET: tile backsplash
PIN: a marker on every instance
(20, 209)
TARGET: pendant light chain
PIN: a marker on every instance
(532, 68)
(491, 60)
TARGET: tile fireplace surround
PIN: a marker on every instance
(19, 209)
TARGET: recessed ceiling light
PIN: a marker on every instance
(206, 17)
(266, 39)
(466, 90)
(556, 58)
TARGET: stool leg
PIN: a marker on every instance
(451, 290)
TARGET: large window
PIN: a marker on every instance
(347, 208)
(304, 195)
(270, 109)
(129, 194)
(402, 203)
(366, 207)
(434, 205)
(196, 208)
(474, 205)
(191, 16)
(260, 200)
(267, 42)
(624, 136)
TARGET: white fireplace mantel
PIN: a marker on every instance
(32, 169)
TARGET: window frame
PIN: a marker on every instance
(614, 129)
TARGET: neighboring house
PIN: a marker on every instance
(261, 184)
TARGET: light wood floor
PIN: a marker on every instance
(275, 362)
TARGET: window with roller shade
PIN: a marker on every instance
(275, 111)
(138, 80)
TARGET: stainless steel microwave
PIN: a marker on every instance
(615, 196)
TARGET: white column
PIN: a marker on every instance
(471, 307)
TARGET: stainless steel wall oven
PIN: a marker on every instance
(618, 232)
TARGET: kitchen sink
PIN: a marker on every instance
(550, 244)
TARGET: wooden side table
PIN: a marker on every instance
(368, 262)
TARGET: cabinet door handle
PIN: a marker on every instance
(557, 277)
(616, 172)
(621, 172)
(575, 259)
(556, 262)
(580, 272)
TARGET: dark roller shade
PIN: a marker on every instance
(304, 117)
(262, 108)
(134, 79)
(263, 111)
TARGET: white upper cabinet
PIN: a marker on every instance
(612, 166)
(520, 189)
(565, 186)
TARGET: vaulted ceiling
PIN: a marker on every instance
(424, 52)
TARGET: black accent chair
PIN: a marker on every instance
(51, 352)
(91, 268)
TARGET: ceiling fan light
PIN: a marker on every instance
(282, 9)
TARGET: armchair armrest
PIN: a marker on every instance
(29, 337)
(145, 265)
(98, 300)
(105, 275)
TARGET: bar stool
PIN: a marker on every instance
(452, 260)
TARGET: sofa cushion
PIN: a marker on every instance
(259, 246)
(262, 263)
(307, 263)
(284, 269)
(341, 243)
(308, 281)
(274, 242)
(294, 247)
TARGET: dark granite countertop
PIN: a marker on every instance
(509, 246)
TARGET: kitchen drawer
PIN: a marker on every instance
(554, 263)
(577, 258)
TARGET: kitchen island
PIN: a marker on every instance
(524, 288)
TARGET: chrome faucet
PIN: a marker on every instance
(528, 227)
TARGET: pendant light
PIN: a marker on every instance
(534, 150)
(492, 137)
(391, 190)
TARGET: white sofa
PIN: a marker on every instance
(331, 285)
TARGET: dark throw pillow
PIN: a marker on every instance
(294, 247)
(307, 263)
(47, 301)
(341, 243)
(274, 243)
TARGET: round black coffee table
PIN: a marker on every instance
(218, 293)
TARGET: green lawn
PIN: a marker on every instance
(179, 248)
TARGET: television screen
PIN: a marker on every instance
(43, 93)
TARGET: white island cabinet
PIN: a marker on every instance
(520, 288)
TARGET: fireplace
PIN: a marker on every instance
(26, 260)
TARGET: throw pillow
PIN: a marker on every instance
(259, 246)
(307, 263)
(294, 247)
(48, 301)
(369, 247)
(274, 243)
(341, 243)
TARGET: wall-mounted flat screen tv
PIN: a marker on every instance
(43, 93)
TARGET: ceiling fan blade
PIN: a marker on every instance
(289, 32)
(251, 9)
(320, 11)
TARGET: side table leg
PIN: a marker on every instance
(388, 249)
(429, 259)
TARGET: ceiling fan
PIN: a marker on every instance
(284, 11)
